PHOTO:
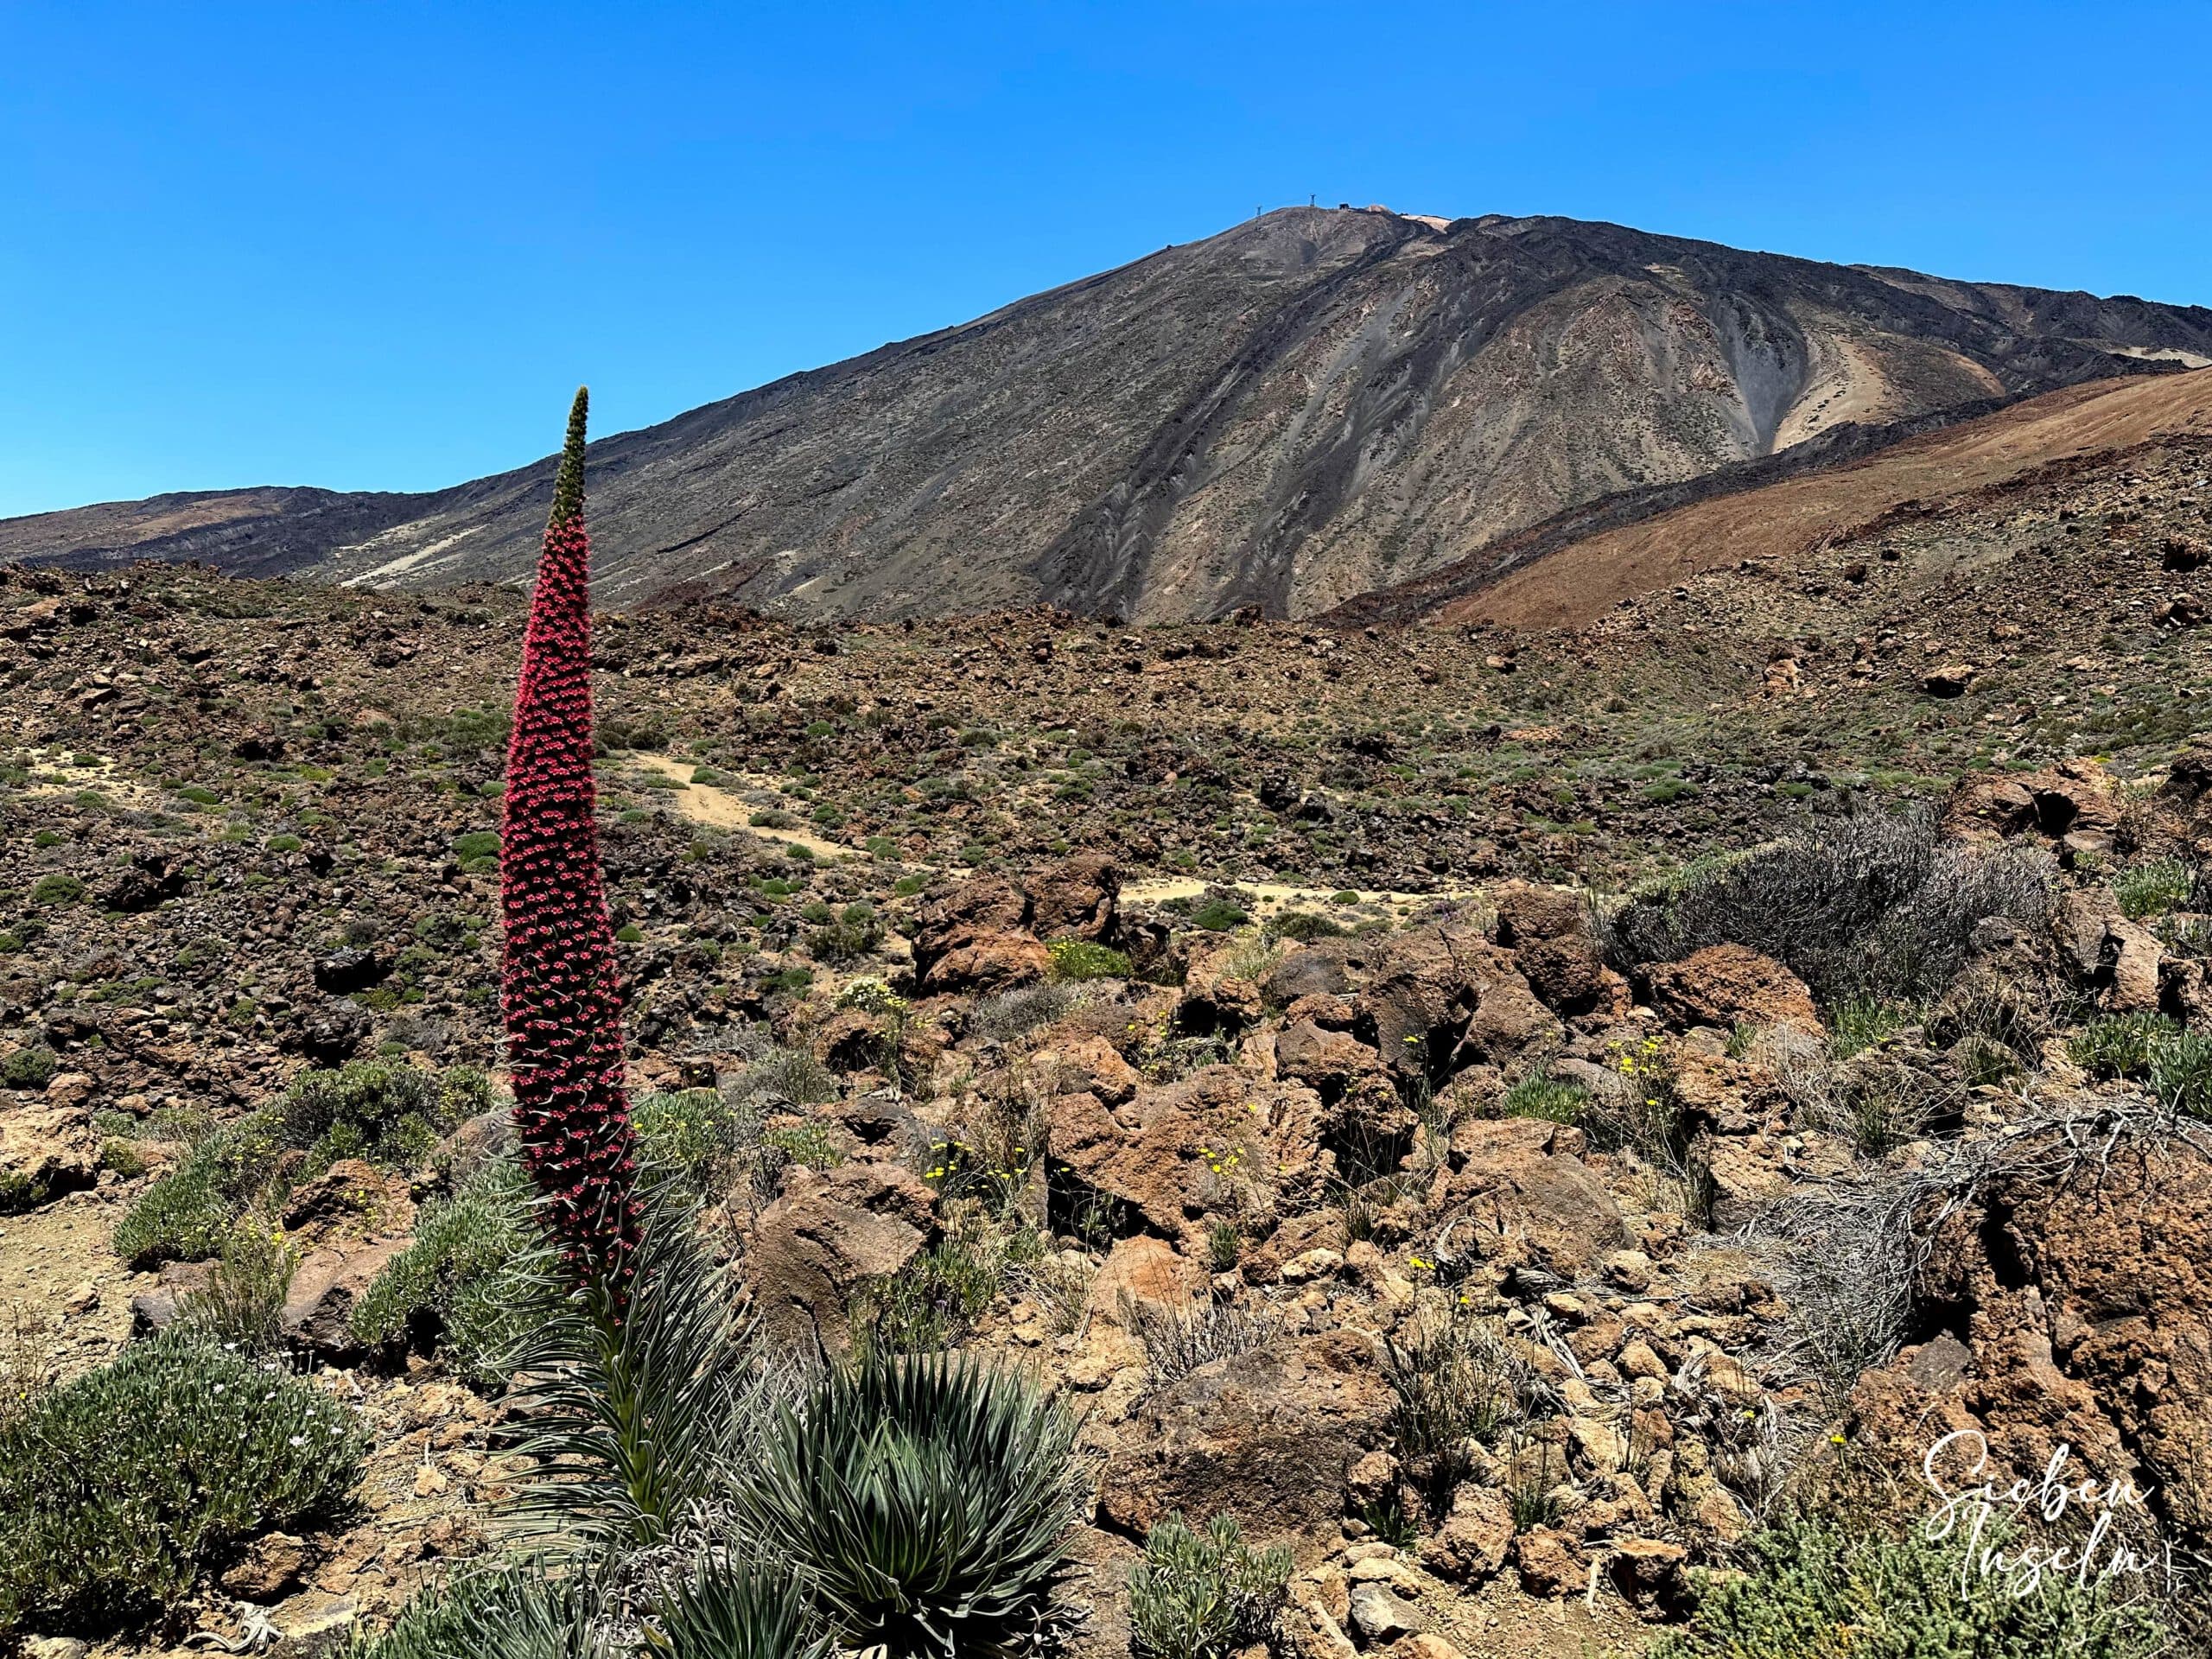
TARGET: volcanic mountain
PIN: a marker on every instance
(1315, 405)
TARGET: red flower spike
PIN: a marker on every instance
(560, 991)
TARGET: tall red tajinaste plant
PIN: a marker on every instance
(560, 991)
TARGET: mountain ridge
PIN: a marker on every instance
(1311, 406)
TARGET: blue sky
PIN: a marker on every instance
(374, 246)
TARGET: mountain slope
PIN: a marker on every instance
(1573, 570)
(1311, 406)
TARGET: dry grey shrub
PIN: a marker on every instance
(1871, 905)
(1751, 1447)
(1460, 1377)
(1850, 1258)
(1177, 1341)
(1013, 1015)
(1059, 1282)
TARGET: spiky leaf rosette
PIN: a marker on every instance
(560, 992)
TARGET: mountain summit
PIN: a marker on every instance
(1316, 404)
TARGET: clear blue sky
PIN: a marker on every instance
(376, 245)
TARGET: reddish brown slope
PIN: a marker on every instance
(1584, 579)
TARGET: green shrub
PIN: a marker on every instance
(29, 1067)
(698, 1136)
(930, 1301)
(635, 1408)
(1078, 959)
(1303, 926)
(1538, 1097)
(922, 1504)
(373, 1109)
(729, 1611)
(118, 1490)
(186, 1215)
(1218, 916)
(1858, 1023)
(804, 1144)
(477, 847)
(285, 844)
(1821, 1588)
(57, 889)
(2120, 1045)
(845, 935)
(511, 1609)
(466, 1277)
(2150, 889)
(1457, 1379)
(1201, 1595)
(2181, 1072)
(389, 1113)
(242, 1304)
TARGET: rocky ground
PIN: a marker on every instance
(1227, 1003)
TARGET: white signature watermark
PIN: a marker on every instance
(2104, 1520)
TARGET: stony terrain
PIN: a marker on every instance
(1209, 1017)
(1315, 405)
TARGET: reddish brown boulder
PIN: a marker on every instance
(2085, 1306)
(2072, 804)
(975, 938)
(827, 1234)
(1727, 985)
(45, 1149)
(319, 1305)
(1516, 1192)
(1219, 1143)
(1473, 1541)
(1527, 914)
(1075, 899)
(1268, 1436)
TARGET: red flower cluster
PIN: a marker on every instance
(560, 991)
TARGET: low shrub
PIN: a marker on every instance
(57, 889)
(1858, 1023)
(389, 1113)
(1202, 1594)
(118, 1490)
(2119, 1045)
(700, 1137)
(1868, 906)
(1013, 1015)
(1081, 959)
(922, 1504)
(2152, 889)
(845, 935)
(1458, 1378)
(2181, 1072)
(32, 1066)
(467, 1280)
(186, 1215)
(242, 1304)
(933, 1300)
(1304, 927)
(1542, 1097)
(1177, 1341)
(1811, 1581)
